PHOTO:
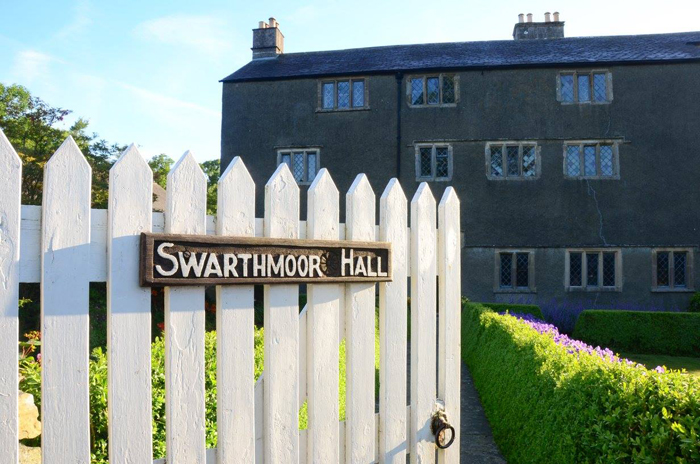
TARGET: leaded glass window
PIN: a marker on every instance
(448, 88)
(521, 270)
(575, 269)
(343, 94)
(592, 159)
(673, 269)
(417, 91)
(328, 95)
(520, 160)
(573, 161)
(595, 270)
(506, 269)
(513, 270)
(497, 161)
(600, 87)
(589, 168)
(512, 154)
(432, 90)
(441, 162)
(433, 162)
(304, 163)
(358, 94)
(567, 88)
(679, 268)
(608, 269)
(529, 158)
(592, 269)
(584, 87)
(426, 162)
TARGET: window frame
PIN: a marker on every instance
(352, 80)
(306, 151)
(615, 144)
(521, 144)
(689, 271)
(531, 287)
(584, 287)
(589, 73)
(433, 162)
(440, 104)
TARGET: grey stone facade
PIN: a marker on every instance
(653, 120)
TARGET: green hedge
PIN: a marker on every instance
(644, 332)
(548, 406)
(515, 309)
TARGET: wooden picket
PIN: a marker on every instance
(10, 205)
(235, 319)
(393, 329)
(65, 245)
(423, 324)
(323, 315)
(281, 401)
(129, 311)
(360, 435)
(65, 324)
(186, 209)
(449, 343)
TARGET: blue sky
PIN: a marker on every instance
(147, 72)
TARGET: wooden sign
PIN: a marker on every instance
(176, 260)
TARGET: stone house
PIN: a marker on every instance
(575, 158)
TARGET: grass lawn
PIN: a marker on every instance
(692, 365)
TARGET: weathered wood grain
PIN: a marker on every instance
(65, 322)
(128, 312)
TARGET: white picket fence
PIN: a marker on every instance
(65, 245)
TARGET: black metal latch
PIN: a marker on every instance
(442, 430)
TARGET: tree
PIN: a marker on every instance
(30, 124)
(160, 165)
(212, 169)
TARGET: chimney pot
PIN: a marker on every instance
(556, 16)
(547, 17)
(273, 22)
(529, 17)
(521, 18)
(262, 24)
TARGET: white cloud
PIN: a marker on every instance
(203, 34)
(81, 20)
(30, 65)
(166, 103)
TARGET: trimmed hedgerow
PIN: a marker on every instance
(533, 310)
(547, 403)
(670, 333)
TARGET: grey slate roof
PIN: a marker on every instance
(576, 51)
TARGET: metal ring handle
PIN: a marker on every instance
(444, 426)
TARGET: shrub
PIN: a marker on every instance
(533, 310)
(676, 334)
(694, 305)
(547, 405)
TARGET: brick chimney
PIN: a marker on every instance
(532, 30)
(268, 41)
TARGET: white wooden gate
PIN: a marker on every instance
(64, 245)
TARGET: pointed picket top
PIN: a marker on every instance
(236, 201)
(393, 193)
(130, 159)
(323, 207)
(423, 196)
(282, 204)
(360, 210)
(449, 198)
(69, 154)
(8, 155)
(186, 195)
